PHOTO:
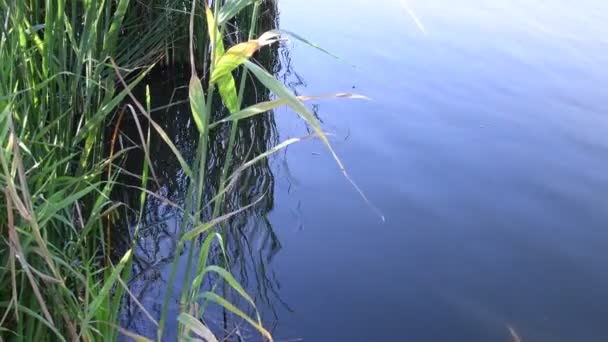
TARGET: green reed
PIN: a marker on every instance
(57, 91)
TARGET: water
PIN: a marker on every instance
(484, 146)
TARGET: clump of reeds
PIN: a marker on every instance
(66, 68)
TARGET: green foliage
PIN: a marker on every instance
(56, 94)
(67, 69)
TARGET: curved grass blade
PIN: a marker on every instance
(167, 140)
(38, 317)
(229, 278)
(135, 337)
(108, 285)
(250, 111)
(156, 126)
(292, 101)
(265, 106)
(206, 226)
(193, 324)
(230, 9)
(197, 102)
(108, 107)
(202, 262)
(230, 307)
(266, 154)
(309, 43)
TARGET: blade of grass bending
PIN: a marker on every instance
(35, 315)
(118, 295)
(136, 301)
(159, 130)
(193, 324)
(292, 101)
(263, 107)
(202, 264)
(134, 336)
(156, 126)
(313, 45)
(144, 146)
(230, 307)
(37, 87)
(266, 154)
(105, 290)
(234, 176)
(250, 111)
(15, 247)
(308, 42)
(208, 225)
(230, 9)
(109, 106)
(229, 278)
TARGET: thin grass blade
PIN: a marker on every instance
(292, 101)
(230, 9)
(230, 307)
(196, 326)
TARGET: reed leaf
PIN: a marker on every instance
(232, 8)
(197, 103)
(194, 325)
(230, 307)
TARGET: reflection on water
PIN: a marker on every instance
(484, 146)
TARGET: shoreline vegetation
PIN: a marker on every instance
(68, 74)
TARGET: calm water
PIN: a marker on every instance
(485, 146)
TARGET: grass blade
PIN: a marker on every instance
(197, 103)
(292, 101)
(230, 9)
(227, 276)
(309, 43)
(108, 285)
(265, 106)
(230, 307)
(193, 324)
(208, 225)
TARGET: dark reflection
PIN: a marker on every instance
(250, 239)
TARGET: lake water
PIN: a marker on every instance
(485, 147)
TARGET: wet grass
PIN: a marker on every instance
(68, 69)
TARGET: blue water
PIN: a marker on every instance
(484, 144)
(485, 147)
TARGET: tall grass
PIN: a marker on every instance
(57, 91)
(67, 69)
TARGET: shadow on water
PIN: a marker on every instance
(251, 242)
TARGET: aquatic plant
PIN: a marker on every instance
(69, 70)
